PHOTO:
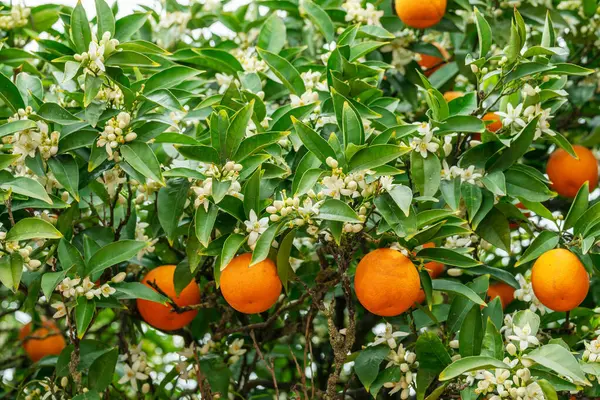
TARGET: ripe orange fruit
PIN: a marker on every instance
(250, 289)
(430, 63)
(386, 282)
(164, 316)
(420, 14)
(567, 174)
(496, 124)
(434, 268)
(559, 280)
(421, 297)
(502, 290)
(44, 341)
(449, 96)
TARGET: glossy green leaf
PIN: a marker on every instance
(32, 228)
(112, 254)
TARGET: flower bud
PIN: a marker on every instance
(511, 349)
(120, 277)
(331, 162)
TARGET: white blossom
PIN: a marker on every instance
(255, 227)
(389, 336)
(512, 115)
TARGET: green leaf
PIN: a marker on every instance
(495, 229)
(560, 360)
(166, 99)
(447, 256)
(129, 25)
(272, 35)
(433, 358)
(363, 48)
(199, 153)
(498, 273)
(451, 192)
(537, 208)
(70, 257)
(141, 157)
(105, 19)
(289, 76)
(401, 224)
(337, 210)
(93, 85)
(468, 364)
(526, 69)
(462, 123)
(548, 35)
(524, 186)
(137, 290)
(32, 228)
(84, 312)
(169, 78)
(375, 156)
(321, 19)
(444, 285)
(403, 196)
(11, 268)
(548, 389)
(545, 241)
(128, 58)
(102, 370)
(493, 345)
(472, 197)
(16, 126)
(66, 172)
(495, 182)
(91, 395)
(579, 206)
(570, 69)
(471, 333)
(10, 94)
(54, 113)
(517, 149)
(237, 129)
(50, 280)
(252, 194)
(263, 244)
(426, 173)
(112, 254)
(494, 312)
(367, 364)
(183, 275)
(230, 248)
(352, 126)
(81, 34)
(27, 187)
(284, 268)
(484, 33)
(204, 223)
(171, 202)
(308, 181)
(313, 141)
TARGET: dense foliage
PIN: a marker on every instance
(309, 133)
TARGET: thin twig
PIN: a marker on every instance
(269, 365)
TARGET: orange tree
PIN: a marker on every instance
(314, 199)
